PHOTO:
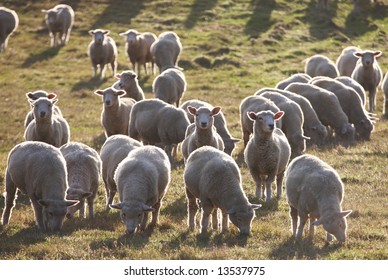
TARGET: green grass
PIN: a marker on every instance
(231, 49)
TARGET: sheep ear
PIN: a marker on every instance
(235, 140)
(44, 11)
(118, 206)
(317, 223)
(71, 202)
(255, 206)
(120, 93)
(216, 111)
(99, 92)
(106, 32)
(192, 110)
(30, 96)
(252, 115)
(230, 211)
(118, 76)
(147, 208)
(124, 34)
(91, 32)
(357, 54)
(51, 96)
(377, 53)
(344, 214)
(306, 137)
(278, 115)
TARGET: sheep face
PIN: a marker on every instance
(76, 194)
(335, 224)
(131, 36)
(242, 217)
(265, 120)
(126, 79)
(204, 117)
(99, 35)
(346, 135)
(43, 107)
(110, 96)
(51, 17)
(364, 129)
(368, 57)
(54, 212)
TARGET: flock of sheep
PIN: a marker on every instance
(322, 106)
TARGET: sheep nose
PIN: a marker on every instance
(203, 124)
(107, 102)
(271, 126)
(130, 231)
(42, 114)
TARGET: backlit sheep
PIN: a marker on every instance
(170, 86)
(166, 50)
(128, 81)
(320, 65)
(59, 20)
(9, 22)
(346, 61)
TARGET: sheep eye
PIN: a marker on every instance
(50, 214)
(123, 215)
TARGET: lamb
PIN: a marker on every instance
(153, 121)
(299, 77)
(46, 126)
(128, 81)
(219, 123)
(116, 111)
(59, 20)
(320, 65)
(102, 50)
(142, 180)
(347, 81)
(312, 126)
(166, 50)
(315, 191)
(83, 170)
(214, 178)
(202, 132)
(114, 150)
(328, 109)
(384, 87)
(38, 170)
(254, 103)
(267, 153)
(9, 22)
(346, 61)
(138, 47)
(170, 86)
(368, 73)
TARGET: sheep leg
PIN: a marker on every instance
(155, 214)
(110, 195)
(138, 70)
(246, 135)
(207, 209)
(372, 100)
(302, 221)
(113, 65)
(53, 39)
(312, 228)
(102, 71)
(279, 184)
(10, 198)
(144, 221)
(294, 219)
(38, 209)
(91, 207)
(82, 209)
(225, 222)
(258, 182)
(145, 68)
(268, 184)
(215, 219)
(192, 209)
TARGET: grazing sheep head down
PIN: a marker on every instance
(54, 212)
(335, 224)
(204, 117)
(43, 106)
(99, 35)
(346, 135)
(242, 217)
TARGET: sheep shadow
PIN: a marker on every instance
(198, 12)
(260, 20)
(43, 55)
(91, 84)
(137, 241)
(176, 210)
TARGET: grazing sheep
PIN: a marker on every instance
(9, 22)
(346, 61)
(114, 150)
(59, 20)
(202, 132)
(328, 109)
(115, 112)
(255, 104)
(83, 173)
(299, 77)
(102, 50)
(315, 191)
(142, 180)
(219, 123)
(46, 126)
(128, 81)
(214, 178)
(137, 47)
(170, 86)
(368, 73)
(267, 153)
(166, 50)
(153, 121)
(347, 81)
(31, 96)
(38, 170)
(320, 65)
(384, 87)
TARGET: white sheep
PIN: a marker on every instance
(142, 180)
(320, 65)
(166, 50)
(83, 172)
(267, 153)
(368, 73)
(214, 178)
(219, 123)
(384, 88)
(102, 50)
(127, 80)
(346, 61)
(170, 86)
(47, 126)
(153, 121)
(202, 132)
(9, 22)
(115, 112)
(315, 191)
(138, 49)
(299, 77)
(112, 152)
(38, 170)
(347, 81)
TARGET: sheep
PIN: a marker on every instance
(112, 152)
(170, 86)
(137, 48)
(256, 104)
(83, 170)
(328, 109)
(351, 105)
(142, 180)
(127, 80)
(102, 50)
(267, 153)
(202, 132)
(214, 178)
(384, 88)
(299, 77)
(314, 190)
(346, 61)
(153, 121)
(368, 73)
(47, 126)
(115, 112)
(219, 123)
(59, 20)
(9, 22)
(312, 126)
(35, 96)
(166, 50)
(322, 4)
(320, 65)
(347, 81)
(38, 170)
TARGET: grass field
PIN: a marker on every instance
(231, 49)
